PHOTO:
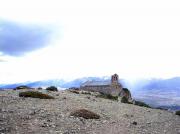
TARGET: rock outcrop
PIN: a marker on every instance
(125, 93)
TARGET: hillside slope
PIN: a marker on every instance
(32, 115)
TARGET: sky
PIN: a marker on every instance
(54, 39)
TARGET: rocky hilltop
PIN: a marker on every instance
(97, 115)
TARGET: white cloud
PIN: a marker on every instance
(131, 38)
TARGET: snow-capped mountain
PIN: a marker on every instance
(54, 82)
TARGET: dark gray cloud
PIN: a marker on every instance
(19, 39)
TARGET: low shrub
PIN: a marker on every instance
(74, 91)
(21, 87)
(52, 88)
(134, 123)
(177, 112)
(142, 104)
(124, 99)
(39, 88)
(108, 96)
(35, 94)
(86, 114)
(73, 88)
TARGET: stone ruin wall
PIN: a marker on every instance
(106, 89)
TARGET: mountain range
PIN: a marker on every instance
(54, 82)
(161, 93)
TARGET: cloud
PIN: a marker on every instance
(19, 39)
(1, 60)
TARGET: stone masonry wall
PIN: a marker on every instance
(106, 89)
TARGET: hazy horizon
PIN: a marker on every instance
(74, 39)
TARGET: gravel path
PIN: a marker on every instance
(41, 116)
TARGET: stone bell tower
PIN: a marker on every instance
(115, 80)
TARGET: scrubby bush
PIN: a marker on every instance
(124, 99)
(86, 114)
(142, 104)
(39, 88)
(35, 94)
(108, 96)
(73, 88)
(74, 91)
(22, 87)
(177, 112)
(52, 88)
